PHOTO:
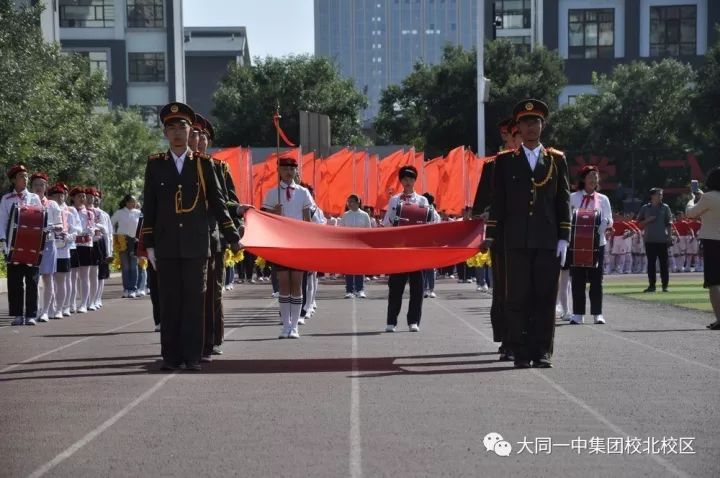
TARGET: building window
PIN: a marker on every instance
(145, 14)
(146, 67)
(98, 61)
(87, 13)
(673, 30)
(591, 33)
(512, 13)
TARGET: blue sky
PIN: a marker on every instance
(274, 27)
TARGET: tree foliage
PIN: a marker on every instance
(247, 98)
(435, 107)
(49, 117)
(707, 99)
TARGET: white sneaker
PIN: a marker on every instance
(566, 317)
(432, 295)
(43, 318)
(82, 310)
(59, 315)
(99, 304)
(349, 295)
(275, 295)
(66, 312)
(19, 320)
(558, 311)
(73, 310)
(133, 294)
(414, 328)
(425, 295)
(301, 321)
(294, 334)
(362, 295)
(30, 321)
(390, 328)
(576, 319)
(141, 293)
(485, 288)
(126, 294)
(157, 328)
(92, 308)
(599, 319)
(285, 333)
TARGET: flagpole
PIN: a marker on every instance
(277, 150)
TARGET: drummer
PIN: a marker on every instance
(588, 197)
(396, 282)
(22, 279)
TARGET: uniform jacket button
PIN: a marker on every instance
(180, 225)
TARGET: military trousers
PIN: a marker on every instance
(532, 286)
(181, 287)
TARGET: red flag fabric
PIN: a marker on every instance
(388, 183)
(371, 184)
(307, 246)
(336, 176)
(451, 191)
(431, 173)
(276, 122)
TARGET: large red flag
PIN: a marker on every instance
(388, 183)
(336, 174)
(453, 181)
(431, 174)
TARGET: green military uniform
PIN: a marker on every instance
(483, 198)
(175, 210)
(531, 209)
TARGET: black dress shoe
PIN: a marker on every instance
(193, 367)
(542, 363)
(665, 289)
(715, 326)
(650, 289)
(519, 363)
(169, 367)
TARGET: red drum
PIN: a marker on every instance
(585, 238)
(140, 250)
(407, 214)
(26, 235)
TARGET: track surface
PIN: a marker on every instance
(84, 397)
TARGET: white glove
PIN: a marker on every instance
(151, 256)
(562, 247)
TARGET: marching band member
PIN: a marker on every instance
(84, 242)
(621, 243)
(74, 225)
(103, 247)
(536, 227)
(62, 240)
(693, 251)
(685, 234)
(295, 202)
(22, 279)
(396, 282)
(48, 264)
(588, 197)
(637, 249)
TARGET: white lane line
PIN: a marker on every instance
(71, 344)
(650, 347)
(355, 440)
(78, 445)
(577, 401)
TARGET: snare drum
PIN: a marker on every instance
(26, 234)
(407, 214)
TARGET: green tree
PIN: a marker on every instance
(708, 97)
(48, 113)
(434, 108)
(247, 98)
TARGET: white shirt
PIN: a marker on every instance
(300, 199)
(576, 202)
(23, 198)
(87, 224)
(102, 218)
(532, 155)
(179, 160)
(357, 218)
(126, 221)
(74, 226)
(390, 212)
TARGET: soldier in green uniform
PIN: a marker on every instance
(180, 192)
(531, 206)
(481, 207)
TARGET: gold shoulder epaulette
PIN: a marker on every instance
(555, 152)
(505, 151)
(155, 156)
(204, 156)
(491, 159)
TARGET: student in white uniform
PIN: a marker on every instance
(311, 283)
(62, 239)
(22, 279)
(102, 247)
(84, 241)
(75, 228)
(587, 197)
(289, 199)
(396, 282)
(355, 217)
(48, 264)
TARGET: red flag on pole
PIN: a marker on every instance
(276, 122)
